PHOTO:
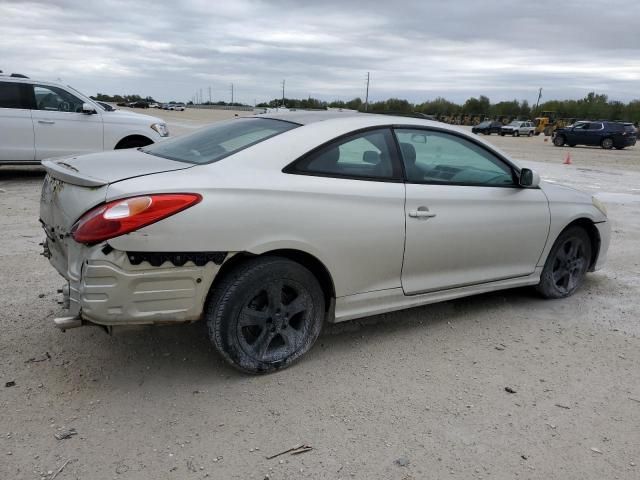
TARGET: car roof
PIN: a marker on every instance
(306, 117)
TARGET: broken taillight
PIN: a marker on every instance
(129, 214)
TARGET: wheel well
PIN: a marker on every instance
(315, 266)
(594, 236)
(133, 141)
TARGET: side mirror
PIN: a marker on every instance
(529, 178)
(88, 109)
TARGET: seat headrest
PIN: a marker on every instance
(371, 157)
(408, 152)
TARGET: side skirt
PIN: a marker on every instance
(384, 301)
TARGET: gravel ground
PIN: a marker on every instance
(410, 395)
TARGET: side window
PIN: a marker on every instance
(56, 100)
(442, 158)
(365, 155)
(14, 95)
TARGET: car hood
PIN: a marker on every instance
(122, 116)
(562, 193)
(97, 169)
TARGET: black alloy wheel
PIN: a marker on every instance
(265, 314)
(567, 264)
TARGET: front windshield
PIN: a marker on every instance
(515, 123)
(219, 140)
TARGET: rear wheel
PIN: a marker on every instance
(265, 314)
(567, 264)
(607, 143)
(558, 140)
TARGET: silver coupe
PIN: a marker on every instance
(267, 226)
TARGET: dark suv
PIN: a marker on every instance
(605, 134)
(488, 127)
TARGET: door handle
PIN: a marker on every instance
(421, 212)
(46, 122)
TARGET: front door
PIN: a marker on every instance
(60, 127)
(467, 222)
(16, 128)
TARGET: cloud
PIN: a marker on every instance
(413, 49)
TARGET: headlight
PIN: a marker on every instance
(599, 205)
(161, 128)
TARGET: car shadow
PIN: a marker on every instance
(20, 172)
(183, 355)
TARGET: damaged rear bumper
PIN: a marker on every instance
(109, 289)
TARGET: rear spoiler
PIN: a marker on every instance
(68, 173)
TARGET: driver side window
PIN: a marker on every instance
(442, 158)
(56, 99)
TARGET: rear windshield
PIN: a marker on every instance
(219, 140)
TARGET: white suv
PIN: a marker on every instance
(43, 119)
(517, 128)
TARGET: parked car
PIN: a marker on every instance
(517, 128)
(488, 127)
(44, 119)
(177, 106)
(267, 226)
(600, 133)
(139, 104)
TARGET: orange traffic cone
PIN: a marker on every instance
(567, 159)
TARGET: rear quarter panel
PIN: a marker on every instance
(355, 228)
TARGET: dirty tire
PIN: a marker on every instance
(607, 143)
(265, 314)
(530, 133)
(567, 264)
(516, 133)
(558, 140)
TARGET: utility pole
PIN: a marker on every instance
(283, 93)
(366, 98)
(539, 97)
(232, 93)
(209, 94)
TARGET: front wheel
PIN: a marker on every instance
(516, 133)
(558, 141)
(567, 264)
(265, 314)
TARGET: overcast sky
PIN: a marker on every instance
(414, 49)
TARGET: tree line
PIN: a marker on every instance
(594, 106)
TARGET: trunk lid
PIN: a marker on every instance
(96, 169)
(75, 184)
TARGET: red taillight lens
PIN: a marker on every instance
(129, 214)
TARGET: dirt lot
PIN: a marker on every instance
(411, 395)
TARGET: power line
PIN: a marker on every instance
(283, 93)
(366, 98)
